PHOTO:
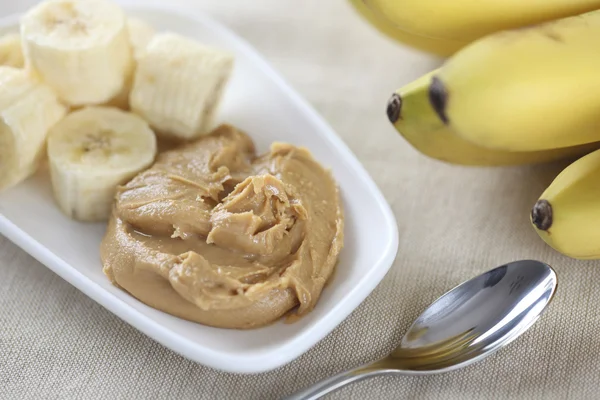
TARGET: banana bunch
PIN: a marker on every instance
(93, 91)
(438, 46)
(516, 96)
(444, 27)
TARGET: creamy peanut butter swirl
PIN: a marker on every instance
(214, 234)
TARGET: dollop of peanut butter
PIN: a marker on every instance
(215, 234)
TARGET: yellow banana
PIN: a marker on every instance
(530, 89)
(468, 20)
(440, 47)
(410, 112)
(567, 214)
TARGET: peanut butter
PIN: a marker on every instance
(215, 234)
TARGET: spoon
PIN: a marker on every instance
(465, 325)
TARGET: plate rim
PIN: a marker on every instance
(246, 363)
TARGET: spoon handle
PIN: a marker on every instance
(335, 382)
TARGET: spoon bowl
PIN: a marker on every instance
(468, 323)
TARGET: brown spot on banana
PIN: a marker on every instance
(552, 35)
(541, 215)
(394, 108)
(438, 97)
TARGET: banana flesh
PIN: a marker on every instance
(28, 109)
(413, 117)
(11, 53)
(140, 33)
(178, 85)
(566, 215)
(467, 20)
(91, 152)
(79, 48)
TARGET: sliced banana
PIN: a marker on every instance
(11, 53)
(28, 109)
(91, 152)
(178, 85)
(140, 34)
(80, 48)
(121, 100)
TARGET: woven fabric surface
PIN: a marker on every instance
(454, 223)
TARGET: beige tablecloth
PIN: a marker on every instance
(454, 223)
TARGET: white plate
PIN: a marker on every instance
(260, 102)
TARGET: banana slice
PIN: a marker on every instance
(178, 85)
(28, 109)
(80, 48)
(91, 152)
(121, 100)
(140, 34)
(11, 53)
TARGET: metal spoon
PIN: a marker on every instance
(468, 323)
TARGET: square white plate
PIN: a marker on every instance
(261, 103)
